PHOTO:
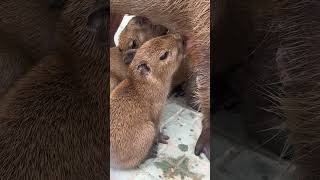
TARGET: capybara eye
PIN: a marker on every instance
(134, 45)
(164, 55)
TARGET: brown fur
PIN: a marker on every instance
(32, 24)
(118, 69)
(27, 34)
(53, 122)
(13, 63)
(281, 74)
(138, 29)
(141, 29)
(143, 94)
(192, 19)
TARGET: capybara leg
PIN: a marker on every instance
(203, 143)
(203, 90)
(153, 151)
(162, 138)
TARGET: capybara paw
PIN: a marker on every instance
(153, 152)
(203, 148)
(163, 138)
(203, 145)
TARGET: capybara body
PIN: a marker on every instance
(278, 78)
(137, 102)
(118, 69)
(53, 122)
(13, 63)
(192, 19)
(27, 34)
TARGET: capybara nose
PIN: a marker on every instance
(177, 36)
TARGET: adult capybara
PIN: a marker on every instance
(192, 19)
(278, 78)
(53, 122)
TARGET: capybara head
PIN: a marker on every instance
(158, 59)
(139, 30)
(84, 28)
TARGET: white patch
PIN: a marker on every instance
(123, 24)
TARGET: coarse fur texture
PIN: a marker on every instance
(143, 94)
(299, 30)
(138, 31)
(280, 75)
(32, 24)
(118, 69)
(53, 121)
(192, 19)
(27, 34)
(13, 63)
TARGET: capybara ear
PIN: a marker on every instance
(129, 55)
(96, 22)
(56, 3)
(139, 20)
(144, 69)
(97, 18)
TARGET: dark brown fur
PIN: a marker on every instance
(143, 94)
(27, 34)
(13, 63)
(53, 122)
(280, 74)
(192, 19)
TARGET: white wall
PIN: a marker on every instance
(123, 24)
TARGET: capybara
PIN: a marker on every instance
(137, 102)
(54, 121)
(278, 49)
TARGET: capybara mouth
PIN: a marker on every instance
(184, 42)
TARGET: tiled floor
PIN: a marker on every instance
(176, 159)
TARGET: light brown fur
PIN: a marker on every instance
(140, 30)
(192, 19)
(137, 102)
(118, 69)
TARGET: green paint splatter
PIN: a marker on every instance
(183, 147)
(164, 166)
(172, 167)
